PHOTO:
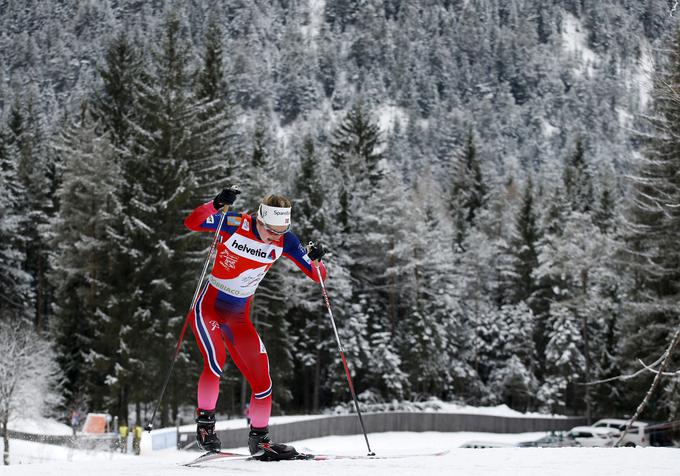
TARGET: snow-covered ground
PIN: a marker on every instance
(54, 461)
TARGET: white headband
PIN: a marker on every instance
(276, 216)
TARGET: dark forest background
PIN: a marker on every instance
(497, 181)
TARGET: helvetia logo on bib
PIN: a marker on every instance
(249, 250)
(253, 251)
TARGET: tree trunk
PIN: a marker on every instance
(586, 348)
(5, 442)
(317, 366)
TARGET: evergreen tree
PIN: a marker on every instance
(578, 184)
(37, 176)
(215, 140)
(16, 293)
(512, 377)
(313, 333)
(468, 192)
(523, 247)
(114, 106)
(355, 154)
(652, 224)
(432, 338)
(164, 155)
(88, 348)
(564, 359)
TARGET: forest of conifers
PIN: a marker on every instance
(497, 183)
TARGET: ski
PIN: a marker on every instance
(215, 455)
(224, 455)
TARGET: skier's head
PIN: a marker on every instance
(273, 217)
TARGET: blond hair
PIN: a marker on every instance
(276, 201)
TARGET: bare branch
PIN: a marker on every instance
(666, 360)
(654, 371)
(625, 377)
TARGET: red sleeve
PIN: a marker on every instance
(197, 219)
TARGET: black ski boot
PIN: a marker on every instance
(205, 431)
(264, 450)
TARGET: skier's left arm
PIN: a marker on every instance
(298, 254)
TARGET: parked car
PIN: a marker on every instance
(553, 440)
(636, 436)
(592, 436)
(664, 434)
(485, 444)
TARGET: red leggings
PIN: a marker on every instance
(217, 322)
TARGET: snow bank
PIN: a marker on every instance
(39, 426)
(499, 410)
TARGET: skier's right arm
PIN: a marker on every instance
(207, 216)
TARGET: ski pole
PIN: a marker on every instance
(342, 356)
(149, 425)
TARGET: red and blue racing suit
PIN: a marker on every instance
(222, 311)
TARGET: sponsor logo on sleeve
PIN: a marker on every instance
(233, 221)
(210, 220)
(245, 226)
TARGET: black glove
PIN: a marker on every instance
(226, 197)
(315, 251)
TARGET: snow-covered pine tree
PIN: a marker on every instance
(578, 182)
(431, 334)
(164, 155)
(16, 291)
(87, 335)
(651, 228)
(355, 151)
(38, 177)
(523, 245)
(369, 216)
(512, 379)
(381, 251)
(296, 89)
(468, 190)
(216, 165)
(573, 256)
(315, 344)
(564, 360)
(114, 104)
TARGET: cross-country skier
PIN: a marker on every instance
(249, 245)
